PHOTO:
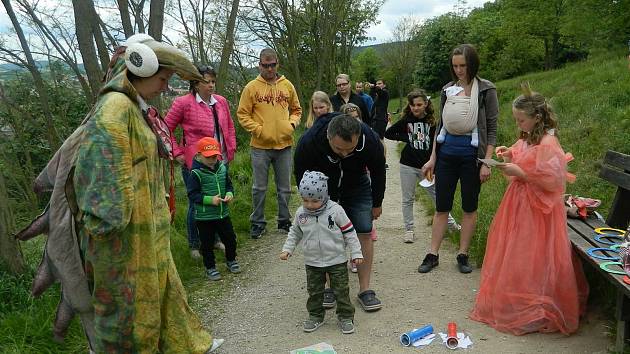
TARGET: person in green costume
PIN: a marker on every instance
(140, 305)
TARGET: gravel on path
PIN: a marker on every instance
(264, 308)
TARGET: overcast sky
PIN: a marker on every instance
(393, 10)
(389, 15)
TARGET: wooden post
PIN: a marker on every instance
(622, 315)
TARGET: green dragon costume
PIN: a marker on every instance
(108, 229)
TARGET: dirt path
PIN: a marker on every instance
(264, 309)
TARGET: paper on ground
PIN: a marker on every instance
(426, 340)
(319, 348)
(464, 341)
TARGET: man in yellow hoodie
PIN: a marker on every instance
(270, 110)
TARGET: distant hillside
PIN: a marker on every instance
(8, 67)
(379, 48)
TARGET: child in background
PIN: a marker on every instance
(320, 105)
(351, 109)
(326, 231)
(210, 189)
(416, 129)
(530, 280)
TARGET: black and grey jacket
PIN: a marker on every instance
(313, 153)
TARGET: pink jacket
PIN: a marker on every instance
(197, 122)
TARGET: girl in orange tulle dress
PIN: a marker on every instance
(531, 281)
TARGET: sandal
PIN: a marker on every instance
(368, 301)
(234, 267)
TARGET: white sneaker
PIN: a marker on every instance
(353, 266)
(216, 343)
(410, 236)
(195, 254)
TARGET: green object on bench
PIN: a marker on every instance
(615, 170)
(605, 265)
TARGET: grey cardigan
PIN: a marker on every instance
(324, 237)
(486, 118)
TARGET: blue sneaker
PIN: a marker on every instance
(213, 274)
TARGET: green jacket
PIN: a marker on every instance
(206, 183)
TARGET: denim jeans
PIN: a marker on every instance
(356, 201)
(282, 162)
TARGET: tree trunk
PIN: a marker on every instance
(85, 38)
(138, 16)
(547, 54)
(103, 51)
(53, 138)
(10, 252)
(224, 65)
(189, 36)
(123, 7)
(156, 19)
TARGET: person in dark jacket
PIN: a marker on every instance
(210, 189)
(345, 149)
(345, 95)
(380, 95)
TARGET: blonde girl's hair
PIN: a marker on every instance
(348, 108)
(428, 109)
(536, 106)
(318, 96)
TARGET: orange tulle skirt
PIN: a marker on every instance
(531, 279)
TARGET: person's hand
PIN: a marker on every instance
(427, 169)
(285, 255)
(376, 212)
(389, 117)
(228, 198)
(357, 261)
(484, 173)
(503, 152)
(512, 169)
(216, 200)
(180, 159)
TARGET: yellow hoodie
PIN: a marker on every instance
(270, 112)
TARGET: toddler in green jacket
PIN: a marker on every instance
(210, 189)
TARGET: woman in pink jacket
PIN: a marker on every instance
(201, 113)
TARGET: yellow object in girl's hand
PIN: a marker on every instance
(429, 176)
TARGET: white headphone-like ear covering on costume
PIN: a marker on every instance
(141, 60)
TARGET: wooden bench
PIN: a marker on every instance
(616, 170)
